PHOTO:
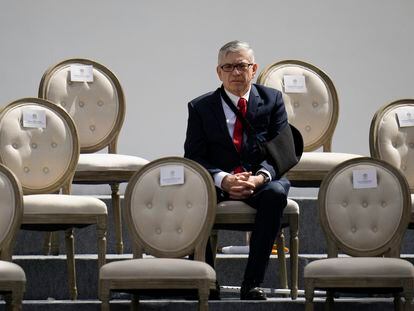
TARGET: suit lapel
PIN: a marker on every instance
(218, 112)
(255, 101)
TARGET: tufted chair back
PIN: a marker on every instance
(391, 142)
(171, 221)
(11, 208)
(364, 221)
(43, 159)
(315, 112)
(97, 107)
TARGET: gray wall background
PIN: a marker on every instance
(165, 54)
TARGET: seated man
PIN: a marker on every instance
(217, 140)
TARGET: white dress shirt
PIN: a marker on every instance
(231, 121)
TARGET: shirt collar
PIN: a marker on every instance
(235, 99)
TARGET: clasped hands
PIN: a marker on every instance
(241, 185)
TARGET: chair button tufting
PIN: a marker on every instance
(374, 229)
(403, 167)
(15, 146)
(411, 145)
(81, 104)
(344, 203)
(296, 104)
(100, 103)
(353, 229)
(179, 230)
(170, 207)
(189, 205)
(45, 170)
(394, 144)
(149, 205)
(63, 104)
(308, 128)
(26, 169)
(158, 231)
(315, 104)
(383, 204)
(364, 204)
(34, 145)
(54, 145)
(92, 127)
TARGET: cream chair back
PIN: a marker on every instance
(367, 221)
(11, 206)
(394, 142)
(97, 107)
(44, 157)
(313, 107)
(174, 220)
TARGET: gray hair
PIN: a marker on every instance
(234, 47)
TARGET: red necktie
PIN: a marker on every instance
(238, 129)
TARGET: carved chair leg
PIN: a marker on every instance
(116, 208)
(294, 251)
(16, 301)
(203, 293)
(280, 242)
(409, 300)
(101, 234)
(213, 244)
(309, 298)
(134, 302)
(70, 255)
(329, 304)
(105, 301)
(397, 302)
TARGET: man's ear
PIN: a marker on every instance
(255, 67)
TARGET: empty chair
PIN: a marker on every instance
(12, 277)
(364, 210)
(170, 210)
(392, 139)
(312, 106)
(237, 215)
(93, 96)
(39, 143)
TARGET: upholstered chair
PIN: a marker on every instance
(312, 107)
(98, 109)
(239, 216)
(39, 144)
(393, 143)
(12, 277)
(167, 222)
(364, 210)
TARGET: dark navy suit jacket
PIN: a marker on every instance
(208, 141)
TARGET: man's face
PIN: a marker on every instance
(239, 79)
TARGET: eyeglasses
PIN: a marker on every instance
(240, 67)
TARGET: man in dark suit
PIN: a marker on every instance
(217, 140)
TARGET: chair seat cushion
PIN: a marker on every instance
(321, 161)
(359, 267)
(11, 272)
(157, 268)
(109, 161)
(62, 204)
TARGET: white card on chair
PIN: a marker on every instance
(81, 73)
(172, 175)
(34, 118)
(406, 117)
(365, 178)
(294, 84)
